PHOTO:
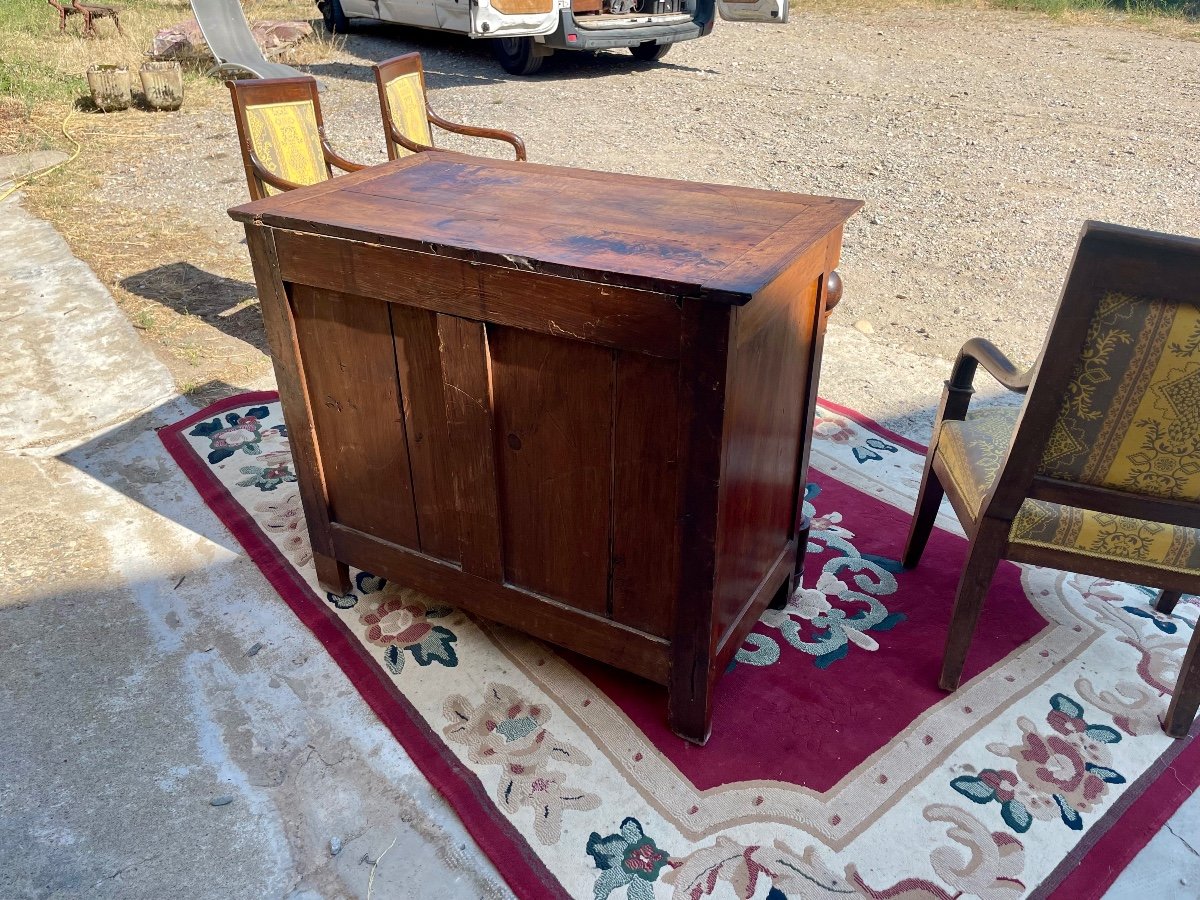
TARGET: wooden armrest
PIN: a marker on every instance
(269, 177)
(334, 159)
(957, 395)
(497, 134)
(979, 352)
(407, 143)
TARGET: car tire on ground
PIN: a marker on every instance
(649, 51)
(517, 55)
(335, 19)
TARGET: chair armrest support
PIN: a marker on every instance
(959, 386)
(979, 352)
(407, 143)
(497, 134)
(332, 157)
(269, 177)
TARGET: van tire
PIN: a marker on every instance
(335, 18)
(517, 55)
(649, 51)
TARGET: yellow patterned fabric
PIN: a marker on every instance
(406, 99)
(1130, 418)
(1105, 536)
(286, 139)
(973, 451)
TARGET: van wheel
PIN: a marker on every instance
(517, 55)
(335, 19)
(649, 51)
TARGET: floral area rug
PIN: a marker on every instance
(836, 768)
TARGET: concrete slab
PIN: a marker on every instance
(129, 695)
(18, 165)
(73, 363)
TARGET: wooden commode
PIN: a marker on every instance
(572, 402)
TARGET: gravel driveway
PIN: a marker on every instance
(981, 141)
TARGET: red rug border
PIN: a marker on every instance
(1086, 873)
(499, 840)
(855, 416)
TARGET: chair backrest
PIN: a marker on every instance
(1112, 419)
(401, 85)
(279, 125)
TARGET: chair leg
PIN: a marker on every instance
(982, 559)
(1166, 601)
(929, 500)
(1186, 698)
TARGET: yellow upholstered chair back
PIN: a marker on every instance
(285, 138)
(401, 85)
(279, 126)
(1130, 417)
(406, 105)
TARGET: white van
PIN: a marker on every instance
(525, 32)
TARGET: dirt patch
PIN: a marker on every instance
(980, 140)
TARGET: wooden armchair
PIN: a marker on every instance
(1099, 470)
(282, 135)
(90, 13)
(407, 116)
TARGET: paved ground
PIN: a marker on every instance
(130, 693)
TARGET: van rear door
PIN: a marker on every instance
(515, 18)
(753, 10)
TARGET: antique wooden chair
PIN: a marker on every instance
(90, 13)
(1099, 470)
(406, 112)
(282, 135)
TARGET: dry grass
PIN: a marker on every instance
(43, 86)
(117, 244)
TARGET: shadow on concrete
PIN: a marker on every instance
(219, 301)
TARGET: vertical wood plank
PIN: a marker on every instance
(553, 400)
(765, 430)
(350, 367)
(703, 369)
(466, 374)
(293, 397)
(829, 295)
(418, 363)
(645, 436)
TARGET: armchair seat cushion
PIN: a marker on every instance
(973, 451)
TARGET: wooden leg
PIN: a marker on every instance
(1167, 600)
(779, 601)
(1184, 702)
(982, 560)
(332, 575)
(929, 499)
(689, 712)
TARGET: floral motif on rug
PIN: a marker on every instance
(836, 767)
